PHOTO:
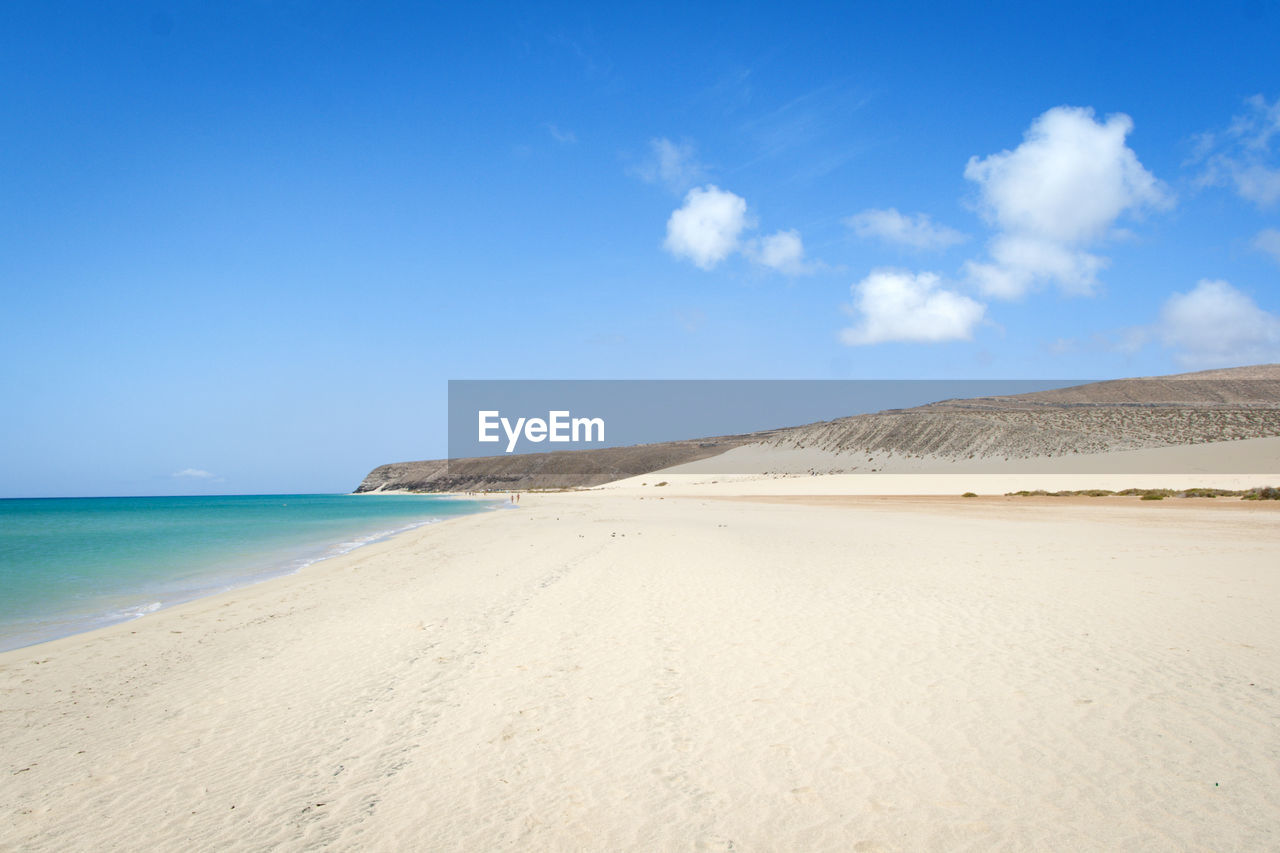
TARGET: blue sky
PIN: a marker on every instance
(254, 240)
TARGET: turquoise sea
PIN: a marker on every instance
(73, 564)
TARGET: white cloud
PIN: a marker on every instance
(1258, 183)
(1268, 240)
(1055, 195)
(917, 231)
(782, 251)
(709, 227)
(706, 228)
(1216, 325)
(897, 305)
(672, 164)
(1018, 260)
(566, 137)
(1068, 181)
(1241, 155)
(194, 474)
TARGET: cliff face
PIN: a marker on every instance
(1124, 414)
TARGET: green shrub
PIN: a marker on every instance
(1264, 493)
(969, 495)
(1259, 494)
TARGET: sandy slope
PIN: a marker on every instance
(601, 671)
(1227, 465)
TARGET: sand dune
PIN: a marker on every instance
(1226, 464)
(608, 670)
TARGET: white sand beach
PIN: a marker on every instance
(627, 669)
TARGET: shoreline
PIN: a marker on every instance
(866, 500)
(276, 562)
(600, 671)
(854, 500)
(233, 596)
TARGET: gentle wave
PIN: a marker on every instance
(87, 597)
(347, 547)
(292, 567)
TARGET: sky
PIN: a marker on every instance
(245, 245)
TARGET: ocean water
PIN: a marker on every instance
(73, 564)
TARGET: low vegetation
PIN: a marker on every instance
(1265, 493)
(1262, 493)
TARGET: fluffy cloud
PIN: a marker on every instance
(672, 164)
(706, 228)
(1018, 260)
(897, 305)
(917, 231)
(1216, 325)
(709, 227)
(194, 474)
(1241, 155)
(1268, 240)
(782, 251)
(1053, 196)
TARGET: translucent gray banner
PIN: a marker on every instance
(649, 411)
(581, 432)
